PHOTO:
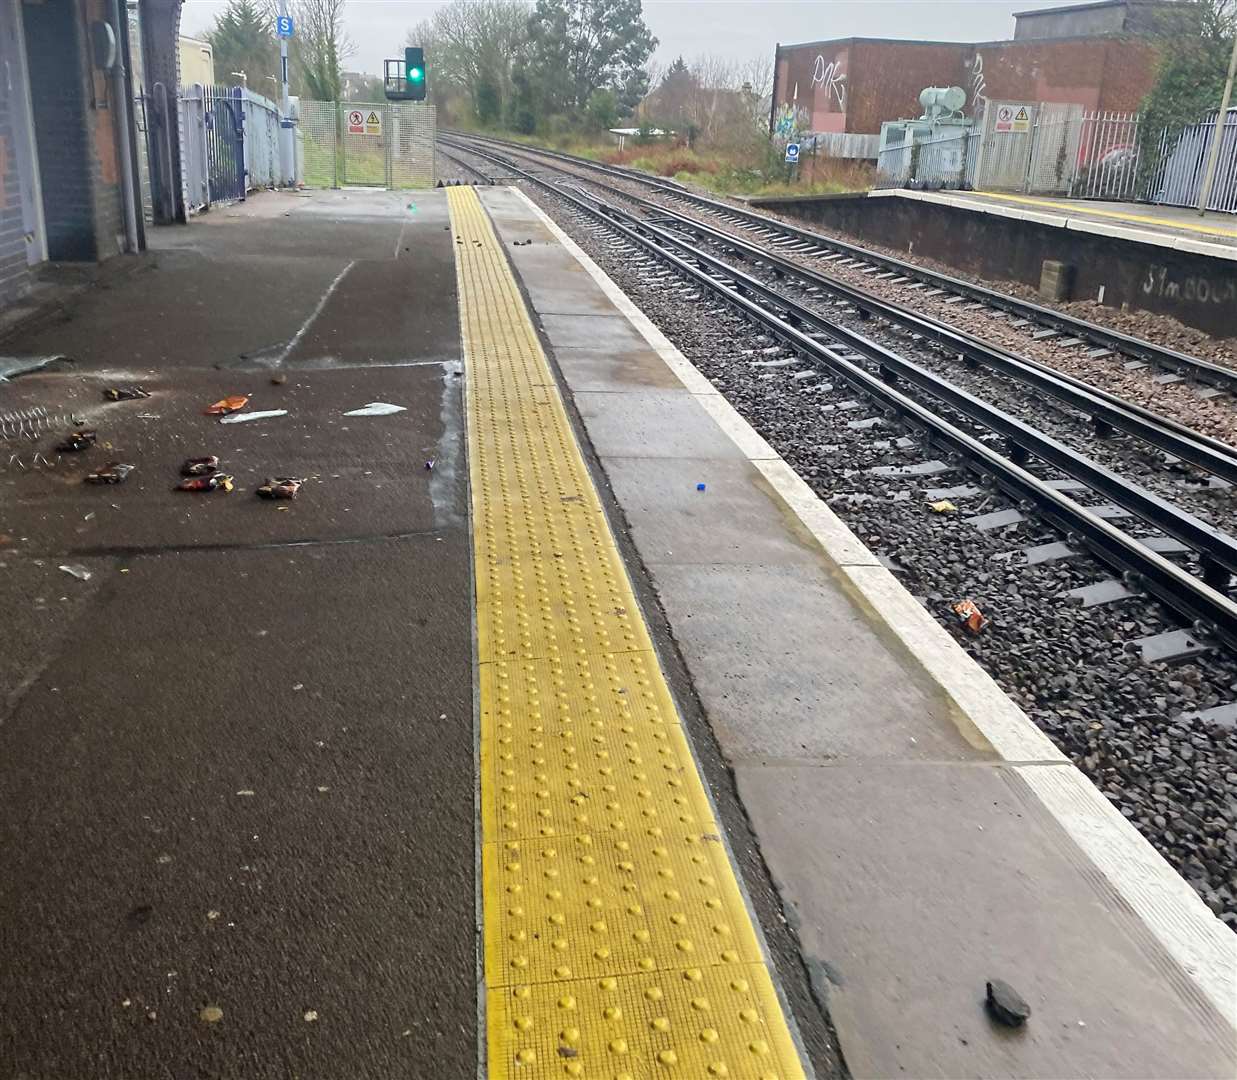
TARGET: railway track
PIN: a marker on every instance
(1035, 321)
(461, 163)
(956, 422)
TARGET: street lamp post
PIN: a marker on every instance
(1217, 136)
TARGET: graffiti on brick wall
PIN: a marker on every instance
(979, 87)
(832, 76)
(790, 119)
(1162, 283)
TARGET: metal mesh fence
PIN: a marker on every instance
(365, 128)
(1054, 148)
(946, 160)
(412, 129)
(375, 144)
(318, 149)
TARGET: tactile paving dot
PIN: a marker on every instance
(587, 743)
(577, 906)
(617, 940)
(689, 1022)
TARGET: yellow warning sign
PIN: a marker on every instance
(364, 122)
(1011, 118)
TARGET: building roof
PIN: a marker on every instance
(868, 41)
(1097, 4)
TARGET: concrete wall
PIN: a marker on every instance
(1197, 290)
(1149, 17)
(1070, 22)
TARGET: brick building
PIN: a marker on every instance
(69, 189)
(1101, 56)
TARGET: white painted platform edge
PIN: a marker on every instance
(1174, 913)
(1195, 244)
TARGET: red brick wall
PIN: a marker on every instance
(1129, 74)
(855, 85)
(812, 82)
(887, 78)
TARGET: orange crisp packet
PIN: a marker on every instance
(970, 616)
(228, 405)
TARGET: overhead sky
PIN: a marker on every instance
(735, 29)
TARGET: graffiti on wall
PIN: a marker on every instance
(1162, 283)
(790, 119)
(979, 87)
(832, 76)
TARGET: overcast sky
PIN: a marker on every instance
(737, 29)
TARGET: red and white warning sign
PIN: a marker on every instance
(364, 122)
(1012, 118)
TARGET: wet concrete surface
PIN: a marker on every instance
(236, 764)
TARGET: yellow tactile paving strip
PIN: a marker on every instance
(617, 942)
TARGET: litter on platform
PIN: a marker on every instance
(215, 481)
(114, 472)
(244, 418)
(227, 405)
(78, 440)
(280, 487)
(200, 466)
(376, 408)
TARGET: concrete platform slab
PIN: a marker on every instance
(727, 522)
(872, 854)
(666, 423)
(789, 668)
(574, 331)
(606, 369)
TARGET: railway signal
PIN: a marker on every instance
(407, 79)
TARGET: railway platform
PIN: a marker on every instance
(1160, 260)
(1213, 234)
(557, 728)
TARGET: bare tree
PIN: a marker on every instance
(321, 46)
(470, 47)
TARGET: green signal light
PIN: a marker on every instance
(415, 74)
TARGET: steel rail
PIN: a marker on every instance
(1186, 594)
(1161, 356)
(464, 165)
(1213, 455)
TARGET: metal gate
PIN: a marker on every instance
(225, 143)
(376, 144)
(1006, 149)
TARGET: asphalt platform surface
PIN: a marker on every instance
(236, 785)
